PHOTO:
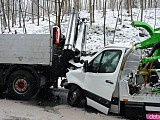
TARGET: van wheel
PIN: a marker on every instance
(21, 85)
(75, 95)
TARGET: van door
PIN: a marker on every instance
(101, 78)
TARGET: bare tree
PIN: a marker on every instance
(56, 13)
(155, 6)
(93, 6)
(150, 3)
(20, 14)
(69, 7)
(86, 4)
(76, 5)
(65, 10)
(91, 12)
(104, 29)
(141, 10)
(121, 13)
(8, 15)
(104, 10)
(100, 4)
(4, 15)
(80, 5)
(145, 4)
(48, 11)
(32, 11)
(112, 4)
(130, 1)
(128, 7)
(43, 11)
(60, 5)
(117, 20)
(37, 12)
(13, 20)
(24, 16)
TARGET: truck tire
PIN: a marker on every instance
(2, 89)
(22, 85)
(75, 95)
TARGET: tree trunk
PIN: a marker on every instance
(4, 15)
(66, 9)
(43, 11)
(112, 4)
(37, 12)
(13, 13)
(69, 7)
(145, 4)
(8, 15)
(120, 4)
(121, 13)
(100, 4)
(85, 5)
(60, 5)
(90, 10)
(128, 7)
(155, 6)
(23, 18)
(141, 10)
(93, 6)
(48, 11)
(20, 14)
(104, 29)
(56, 12)
(32, 11)
(131, 10)
(151, 3)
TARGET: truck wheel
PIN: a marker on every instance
(2, 89)
(75, 95)
(22, 85)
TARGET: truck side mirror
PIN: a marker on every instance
(85, 66)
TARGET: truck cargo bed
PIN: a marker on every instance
(147, 91)
(146, 95)
(25, 49)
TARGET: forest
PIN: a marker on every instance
(17, 12)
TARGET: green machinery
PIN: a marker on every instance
(152, 42)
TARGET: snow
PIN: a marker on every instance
(21, 110)
(124, 33)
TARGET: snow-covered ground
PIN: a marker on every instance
(54, 108)
(19, 110)
(23, 110)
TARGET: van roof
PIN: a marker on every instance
(123, 45)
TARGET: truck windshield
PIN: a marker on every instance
(105, 62)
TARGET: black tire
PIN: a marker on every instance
(2, 89)
(22, 85)
(75, 95)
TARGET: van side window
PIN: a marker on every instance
(105, 62)
(93, 66)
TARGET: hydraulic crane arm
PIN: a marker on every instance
(154, 35)
(74, 44)
(153, 41)
(75, 37)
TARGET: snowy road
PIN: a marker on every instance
(53, 107)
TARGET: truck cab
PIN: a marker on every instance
(110, 83)
(100, 75)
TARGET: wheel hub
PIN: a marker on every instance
(74, 95)
(21, 85)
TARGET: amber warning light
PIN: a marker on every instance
(55, 35)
